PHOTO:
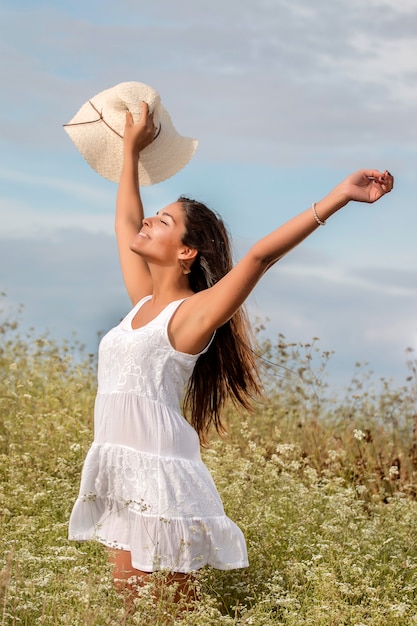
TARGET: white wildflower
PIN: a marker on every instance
(400, 609)
(333, 455)
(393, 471)
(359, 434)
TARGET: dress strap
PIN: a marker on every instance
(126, 321)
(169, 310)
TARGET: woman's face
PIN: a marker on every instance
(160, 238)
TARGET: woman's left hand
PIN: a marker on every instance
(367, 185)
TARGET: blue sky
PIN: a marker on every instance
(286, 98)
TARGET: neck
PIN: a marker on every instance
(169, 284)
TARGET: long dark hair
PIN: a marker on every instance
(229, 368)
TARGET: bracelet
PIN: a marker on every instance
(316, 217)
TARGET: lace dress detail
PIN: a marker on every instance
(144, 487)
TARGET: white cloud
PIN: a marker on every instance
(20, 220)
(228, 71)
(359, 322)
(64, 184)
(344, 279)
(323, 85)
(404, 7)
(73, 283)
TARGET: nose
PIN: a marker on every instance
(146, 221)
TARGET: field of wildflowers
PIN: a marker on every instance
(324, 489)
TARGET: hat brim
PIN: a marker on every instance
(97, 131)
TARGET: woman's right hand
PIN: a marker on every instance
(138, 135)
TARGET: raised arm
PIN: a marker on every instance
(362, 186)
(209, 309)
(129, 209)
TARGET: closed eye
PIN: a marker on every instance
(164, 214)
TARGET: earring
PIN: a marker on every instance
(185, 269)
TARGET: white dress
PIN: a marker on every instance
(144, 487)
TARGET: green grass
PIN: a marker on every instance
(323, 488)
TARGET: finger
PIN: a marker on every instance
(390, 179)
(144, 110)
(386, 183)
(372, 174)
(150, 118)
(129, 120)
(386, 180)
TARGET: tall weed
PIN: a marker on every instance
(323, 488)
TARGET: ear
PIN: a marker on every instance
(187, 254)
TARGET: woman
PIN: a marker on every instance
(144, 490)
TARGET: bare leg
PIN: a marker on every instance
(127, 578)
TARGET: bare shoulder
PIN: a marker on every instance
(204, 312)
(190, 329)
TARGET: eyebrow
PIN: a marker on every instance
(167, 215)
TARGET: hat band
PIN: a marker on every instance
(101, 119)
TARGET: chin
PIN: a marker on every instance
(134, 247)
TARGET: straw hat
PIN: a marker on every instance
(97, 131)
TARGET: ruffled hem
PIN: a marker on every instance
(156, 543)
(166, 511)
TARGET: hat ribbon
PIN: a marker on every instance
(101, 118)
